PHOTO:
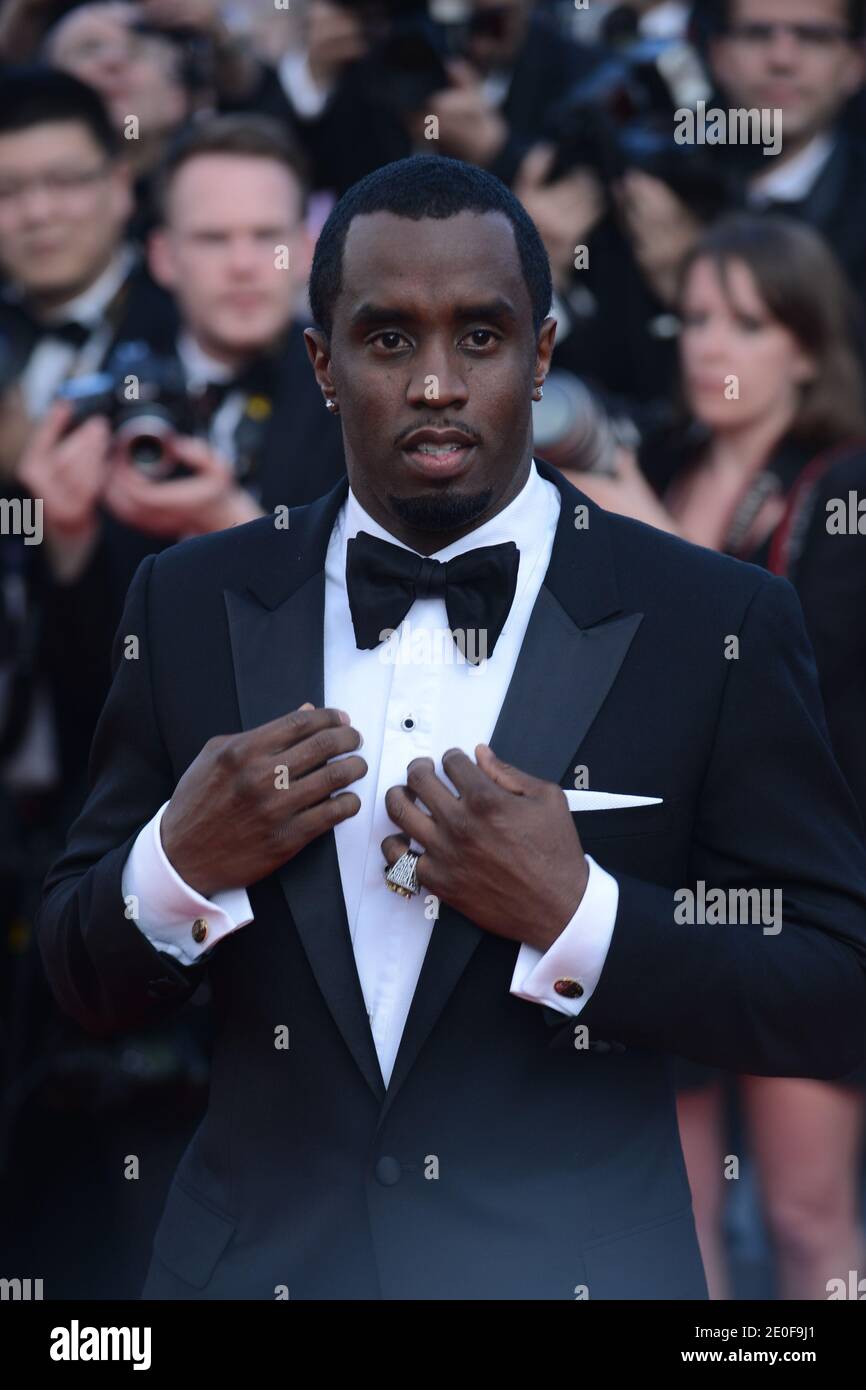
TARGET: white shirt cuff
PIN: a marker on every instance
(578, 953)
(165, 908)
(306, 96)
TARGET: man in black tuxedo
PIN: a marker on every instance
(232, 247)
(805, 58)
(461, 1089)
(74, 285)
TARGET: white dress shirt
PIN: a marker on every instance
(53, 360)
(200, 369)
(794, 179)
(412, 696)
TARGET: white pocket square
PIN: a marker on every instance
(605, 801)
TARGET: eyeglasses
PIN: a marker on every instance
(817, 37)
(60, 182)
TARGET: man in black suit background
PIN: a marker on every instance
(388, 68)
(73, 285)
(806, 59)
(232, 250)
(463, 1090)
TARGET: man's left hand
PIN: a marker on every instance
(470, 127)
(210, 500)
(504, 852)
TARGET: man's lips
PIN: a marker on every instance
(439, 453)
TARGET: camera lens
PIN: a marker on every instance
(144, 435)
(146, 451)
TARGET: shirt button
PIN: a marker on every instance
(199, 929)
(388, 1171)
(407, 723)
(572, 989)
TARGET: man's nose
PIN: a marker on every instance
(245, 256)
(36, 204)
(438, 377)
(783, 50)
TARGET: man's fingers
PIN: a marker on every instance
(511, 779)
(288, 729)
(400, 805)
(534, 168)
(393, 846)
(423, 783)
(321, 747)
(320, 785)
(308, 825)
(196, 452)
(49, 431)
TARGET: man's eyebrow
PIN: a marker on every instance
(374, 315)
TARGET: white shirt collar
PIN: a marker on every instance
(792, 181)
(521, 521)
(668, 21)
(88, 307)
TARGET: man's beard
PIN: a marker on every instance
(441, 511)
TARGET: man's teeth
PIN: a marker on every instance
(436, 448)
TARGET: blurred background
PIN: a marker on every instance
(708, 378)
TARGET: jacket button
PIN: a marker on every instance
(388, 1171)
(199, 929)
(572, 989)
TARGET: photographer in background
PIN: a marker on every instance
(74, 286)
(489, 76)
(805, 57)
(233, 247)
(764, 304)
(619, 203)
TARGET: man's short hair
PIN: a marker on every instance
(36, 96)
(426, 186)
(252, 136)
(714, 16)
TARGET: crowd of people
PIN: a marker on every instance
(164, 169)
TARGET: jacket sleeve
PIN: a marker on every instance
(774, 813)
(102, 969)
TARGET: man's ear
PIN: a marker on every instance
(855, 70)
(160, 258)
(544, 347)
(319, 353)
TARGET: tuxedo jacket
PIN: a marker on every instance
(516, 1152)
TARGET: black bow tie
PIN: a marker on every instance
(384, 580)
(76, 334)
(206, 401)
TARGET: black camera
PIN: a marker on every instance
(411, 42)
(621, 116)
(145, 399)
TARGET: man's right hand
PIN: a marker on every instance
(67, 469)
(251, 801)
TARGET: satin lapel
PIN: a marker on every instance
(277, 650)
(568, 662)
